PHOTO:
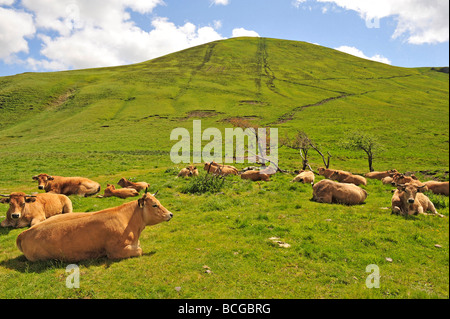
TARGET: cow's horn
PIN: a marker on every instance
(26, 195)
(154, 195)
(5, 195)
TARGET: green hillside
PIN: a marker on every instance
(116, 122)
(270, 81)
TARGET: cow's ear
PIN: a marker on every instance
(35, 178)
(414, 177)
(401, 188)
(4, 200)
(30, 199)
(141, 202)
(50, 178)
(422, 189)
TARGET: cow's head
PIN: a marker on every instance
(410, 191)
(17, 203)
(322, 170)
(392, 172)
(335, 175)
(191, 169)
(122, 182)
(207, 166)
(43, 180)
(110, 187)
(401, 179)
(154, 212)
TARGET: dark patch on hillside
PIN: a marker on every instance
(443, 70)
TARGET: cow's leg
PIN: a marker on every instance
(433, 209)
(126, 252)
(35, 221)
(327, 199)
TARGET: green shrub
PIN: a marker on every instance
(204, 184)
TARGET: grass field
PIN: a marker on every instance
(115, 122)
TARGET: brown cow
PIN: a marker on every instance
(413, 202)
(121, 193)
(440, 188)
(112, 232)
(25, 210)
(327, 191)
(400, 179)
(387, 180)
(139, 186)
(255, 176)
(217, 169)
(67, 185)
(326, 172)
(381, 175)
(305, 177)
(189, 171)
(346, 177)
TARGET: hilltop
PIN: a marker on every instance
(276, 83)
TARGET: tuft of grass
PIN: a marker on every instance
(204, 184)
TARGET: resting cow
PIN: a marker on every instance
(346, 177)
(326, 172)
(112, 232)
(189, 171)
(25, 210)
(67, 185)
(381, 175)
(400, 179)
(412, 201)
(440, 188)
(139, 186)
(111, 191)
(218, 169)
(305, 177)
(255, 176)
(327, 191)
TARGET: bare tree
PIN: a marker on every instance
(364, 142)
(303, 144)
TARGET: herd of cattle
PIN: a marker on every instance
(57, 232)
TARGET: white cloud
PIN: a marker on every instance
(220, 2)
(101, 33)
(15, 27)
(6, 2)
(420, 21)
(125, 44)
(297, 3)
(241, 32)
(356, 52)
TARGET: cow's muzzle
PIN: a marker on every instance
(170, 217)
(411, 201)
(15, 216)
(41, 187)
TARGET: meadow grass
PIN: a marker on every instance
(115, 122)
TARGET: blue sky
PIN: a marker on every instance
(48, 35)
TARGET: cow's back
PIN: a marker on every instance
(54, 204)
(73, 186)
(69, 237)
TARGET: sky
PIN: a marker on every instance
(56, 35)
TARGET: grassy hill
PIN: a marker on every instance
(115, 122)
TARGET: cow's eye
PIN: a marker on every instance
(155, 205)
